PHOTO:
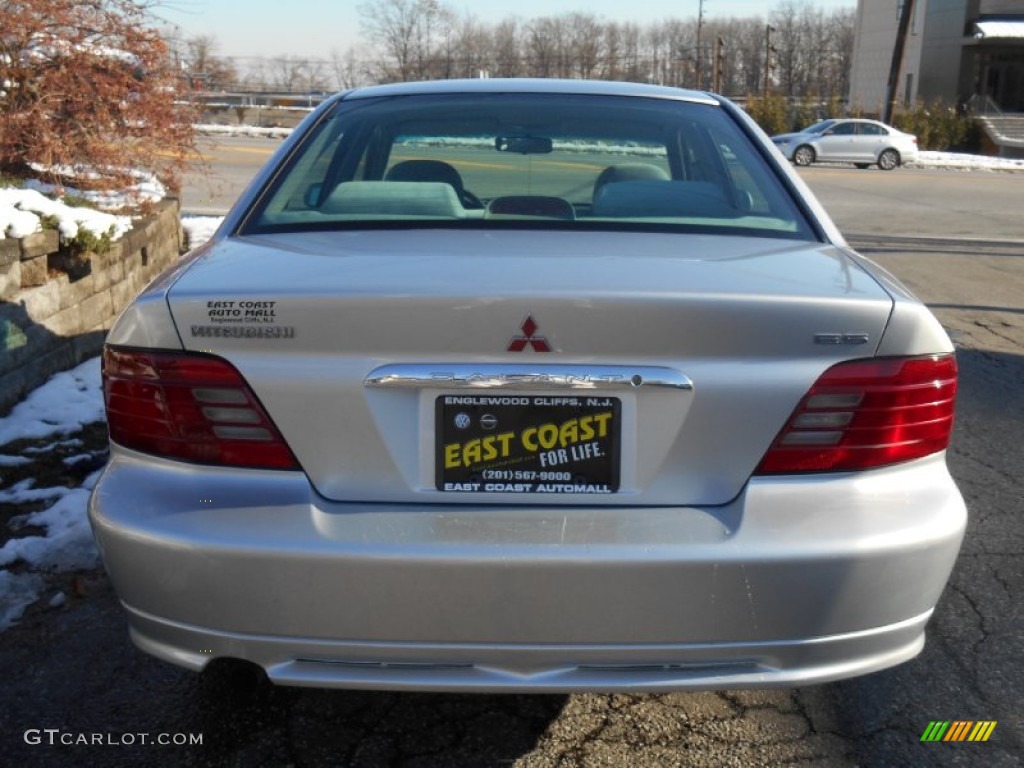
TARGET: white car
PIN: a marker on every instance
(529, 385)
(861, 142)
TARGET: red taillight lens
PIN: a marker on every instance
(868, 413)
(195, 408)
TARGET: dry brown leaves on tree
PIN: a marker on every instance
(89, 84)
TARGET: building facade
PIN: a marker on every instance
(968, 52)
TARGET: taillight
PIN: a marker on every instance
(868, 413)
(191, 407)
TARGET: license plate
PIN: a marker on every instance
(527, 444)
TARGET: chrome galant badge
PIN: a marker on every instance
(529, 329)
(841, 338)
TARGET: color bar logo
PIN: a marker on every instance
(958, 730)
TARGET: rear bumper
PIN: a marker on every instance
(537, 668)
(799, 580)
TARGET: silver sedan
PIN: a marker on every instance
(861, 142)
(533, 386)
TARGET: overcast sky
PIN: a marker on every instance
(311, 28)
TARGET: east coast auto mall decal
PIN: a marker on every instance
(242, 319)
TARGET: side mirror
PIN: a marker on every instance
(312, 196)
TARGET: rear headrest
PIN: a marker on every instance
(628, 172)
(665, 199)
(425, 170)
(394, 198)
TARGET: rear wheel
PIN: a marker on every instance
(889, 159)
(804, 155)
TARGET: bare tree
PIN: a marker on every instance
(632, 58)
(296, 75)
(348, 68)
(287, 73)
(202, 66)
(841, 26)
(409, 34)
(543, 46)
(415, 39)
(392, 25)
(586, 44)
(473, 48)
(507, 58)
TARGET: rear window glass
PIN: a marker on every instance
(528, 160)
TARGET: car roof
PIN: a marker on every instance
(857, 120)
(532, 85)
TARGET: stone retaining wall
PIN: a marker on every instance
(56, 307)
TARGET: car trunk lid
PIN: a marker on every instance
(356, 343)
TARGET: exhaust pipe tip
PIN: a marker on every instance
(232, 683)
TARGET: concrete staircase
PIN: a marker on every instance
(1006, 131)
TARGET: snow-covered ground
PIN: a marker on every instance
(68, 401)
(211, 129)
(61, 407)
(959, 161)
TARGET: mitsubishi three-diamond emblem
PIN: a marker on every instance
(529, 329)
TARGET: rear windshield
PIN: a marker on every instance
(528, 160)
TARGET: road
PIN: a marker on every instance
(925, 202)
(74, 668)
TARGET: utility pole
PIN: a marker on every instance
(719, 64)
(769, 58)
(897, 60)
(700, 26)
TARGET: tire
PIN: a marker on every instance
(862, 166)
(889, 159)
(804, 155)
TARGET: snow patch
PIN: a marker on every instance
(64, 404)
(961, 161)
(74, 442)
(68, 544)
(23, 492)
(144, 188)
(17, 592)
(200, 228)
(21, 211)
(211, 129)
